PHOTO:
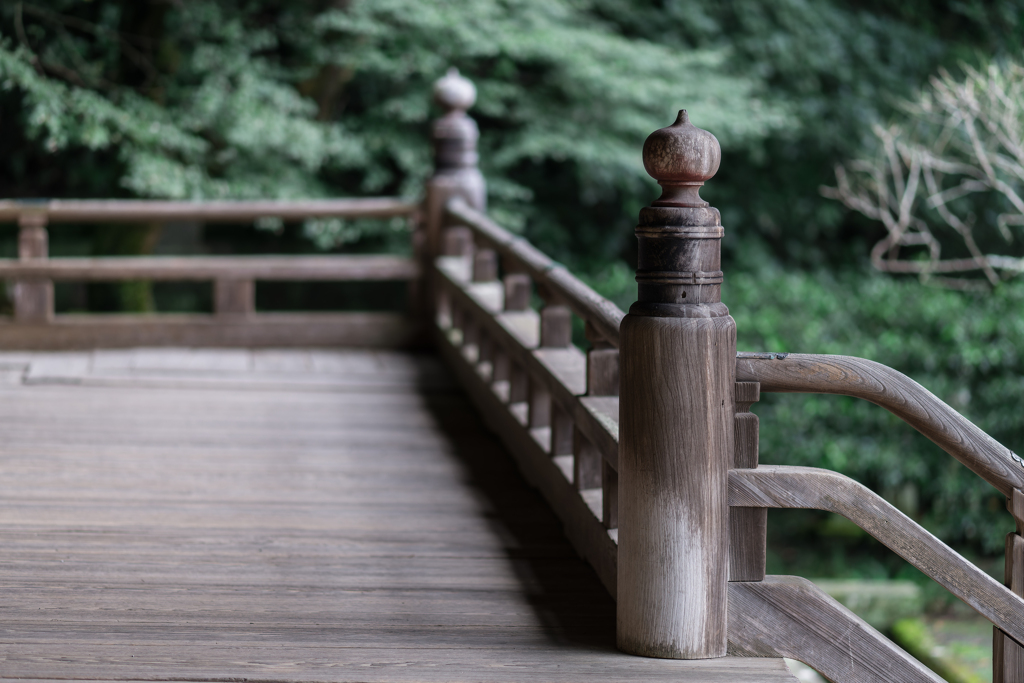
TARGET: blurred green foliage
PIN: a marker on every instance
(253, 98)
(257, 98)
(965, 347)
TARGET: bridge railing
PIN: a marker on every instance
(235, 320)
(645, 445)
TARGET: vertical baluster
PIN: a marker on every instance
(33, 299)
(457, 240)
(234, 298)
(602, 380)
(602, 365)
(748, 527)
(562, 428)
(509, 382)
(609, 496)
(677, 351)
(517, 291)
(485, 269)
(1008, 656)
(555, 332)
(485, 265)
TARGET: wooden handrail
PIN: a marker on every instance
(787, 616)
(776, 486)
(131, 210)
(897, 393)
(273, 267)
(604, 315)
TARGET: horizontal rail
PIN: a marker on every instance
(604, 315)
(260, 330)
(897, 393)
(817, 489)
(130, 210)
(334, 267)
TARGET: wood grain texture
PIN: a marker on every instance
(286, 531)
(1015, 505)
(1008, 656)
(675, 448)
(779, 486)
(791, 617)
(273, 267)
(898, 394)
(145, 210)
(382, 330)
(748, 527)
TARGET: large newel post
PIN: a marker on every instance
(677, 364)
(455, 157)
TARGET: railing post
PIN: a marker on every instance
(677, 362)
(1008, 656)
(748, 527)
(234, 298)
(33, 299)
(454, 137)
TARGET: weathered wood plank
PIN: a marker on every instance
(790, 617)
(748, 527)
(897, 393)
(384, 330)
(300, 534)
(675, 448)
(272, 267)
(779, 486)
(136, 210)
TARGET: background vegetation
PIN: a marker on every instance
(236, 98)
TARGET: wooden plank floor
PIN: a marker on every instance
(217, 515)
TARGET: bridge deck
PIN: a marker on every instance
(284, 516)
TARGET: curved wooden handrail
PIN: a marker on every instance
(86, 210)
(817, 489)
(897, 393)
(588, 304)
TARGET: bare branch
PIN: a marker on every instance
(964, 149)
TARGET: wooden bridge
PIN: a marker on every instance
(460, 493)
